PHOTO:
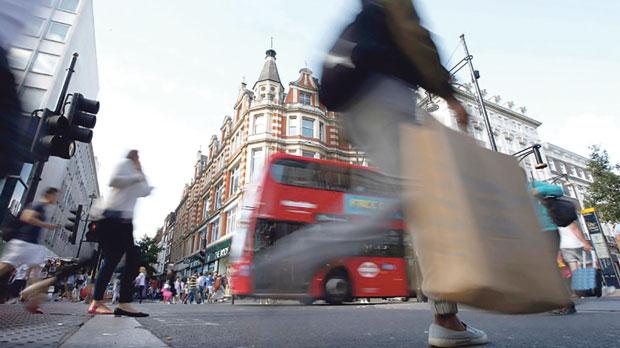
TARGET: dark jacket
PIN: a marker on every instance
(385, 38)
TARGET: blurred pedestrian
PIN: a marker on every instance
(115, 233)
(218, 289)
(170, 277)
(541, 191)
(140, 283)
(15, 15)
(192, 285)
(178, 290)
(201, 282)
(573, 244)
(18, 283)
(210, 282)
(24, 247)
(184, 292)
(116, 290)
(166, 293)
(368, 76)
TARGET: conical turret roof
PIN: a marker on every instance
(270, 70)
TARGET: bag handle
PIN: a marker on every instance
(584, 261)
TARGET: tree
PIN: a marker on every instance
(148, 253)
(604, 193)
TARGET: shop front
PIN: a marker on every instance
(216, 256)
(194, 264)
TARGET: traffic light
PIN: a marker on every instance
(82, 118)
(49, 138)
(74, 223)
(91, 233)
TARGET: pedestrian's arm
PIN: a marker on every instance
(574, 227)
(416, 43)
(542, 189)
(31, 217)
(122, 177)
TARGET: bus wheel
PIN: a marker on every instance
(337, 288)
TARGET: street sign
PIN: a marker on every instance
(610, 273)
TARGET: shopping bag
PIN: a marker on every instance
(474, 228)
(587, 281)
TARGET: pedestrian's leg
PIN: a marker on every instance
(111, 258)
(445, 315)
(5, 274)
(128, 276)
(132, 260)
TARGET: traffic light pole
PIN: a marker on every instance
(90, 205)
(37, 168)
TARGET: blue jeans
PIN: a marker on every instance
(192, 294)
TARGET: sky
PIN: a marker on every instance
(170, 71)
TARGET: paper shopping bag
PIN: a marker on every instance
(474, 228)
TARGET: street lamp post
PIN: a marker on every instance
(475, 75)
(535, 150)
(474, 79)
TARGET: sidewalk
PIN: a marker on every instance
(19, 328)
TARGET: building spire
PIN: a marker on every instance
(270, 70)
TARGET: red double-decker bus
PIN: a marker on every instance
(314, 229)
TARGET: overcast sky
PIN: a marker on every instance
(170, 71)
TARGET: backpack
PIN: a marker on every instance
(561, 210)
(11, 225)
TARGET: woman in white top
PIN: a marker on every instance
(572, 245)
(141, 283)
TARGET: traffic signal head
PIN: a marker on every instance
(50, 139)
(74, 223)
(82, 118)
(91, 233)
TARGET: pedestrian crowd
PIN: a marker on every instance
(197, 288)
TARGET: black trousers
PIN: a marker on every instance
(116, 240)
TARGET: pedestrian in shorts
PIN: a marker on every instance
(24, 247)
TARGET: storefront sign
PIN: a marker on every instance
(218, 251)
(599, 244)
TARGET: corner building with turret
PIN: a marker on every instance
(266, 119)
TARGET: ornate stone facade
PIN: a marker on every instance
(266, 119)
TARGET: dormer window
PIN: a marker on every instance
(305, 98)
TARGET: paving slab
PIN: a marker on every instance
(110, 331)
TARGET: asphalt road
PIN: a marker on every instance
(376, 325)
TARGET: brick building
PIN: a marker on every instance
(266, 119)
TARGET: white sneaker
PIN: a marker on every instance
(440, 336)
(608, 290)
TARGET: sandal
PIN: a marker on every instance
(99, 309)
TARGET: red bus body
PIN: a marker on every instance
(273, 203)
